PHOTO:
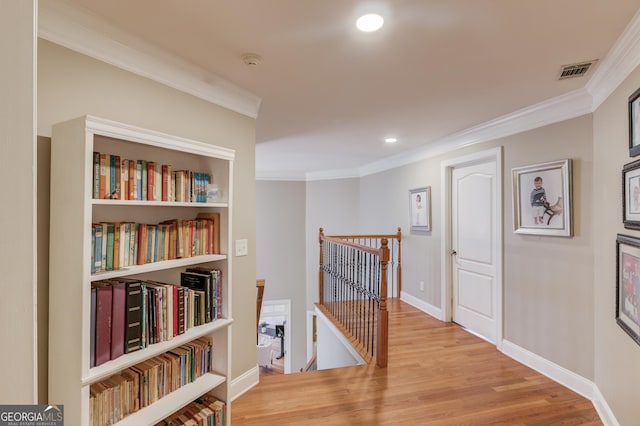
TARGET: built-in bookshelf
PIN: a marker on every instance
(188, 216)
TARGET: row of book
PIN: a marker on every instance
(146, 382)
(129, 314)
(116, 245)
(205, 411)
(119, 178)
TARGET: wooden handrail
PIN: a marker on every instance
(260, 287)
(309, 363)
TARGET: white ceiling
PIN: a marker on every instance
(330, 94)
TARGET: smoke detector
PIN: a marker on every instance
(575, 70)
(251, 59)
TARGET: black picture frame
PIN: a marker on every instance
(631, 195)
(634, 124)
(628, 285)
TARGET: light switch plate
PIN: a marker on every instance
(242, 247)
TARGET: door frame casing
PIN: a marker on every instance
(446, 263)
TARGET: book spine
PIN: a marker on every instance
(133, 317)
(103, 176)
(118, 313)
(124, 176)
(96, 175)
(117, 179)
(132, 180)
(103, 324)
(144, 185)
(157, 182)
(139, 182)
(151, 173)
(109, 247)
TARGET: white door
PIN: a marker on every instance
(475, 247)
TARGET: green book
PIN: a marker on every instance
(110, 240)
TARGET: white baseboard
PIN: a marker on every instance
(425, 307)
(603, 409)
(569, 379)
(244, 382)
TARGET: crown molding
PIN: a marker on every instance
(280, 176)
(564, 107)
(619, 63)
(560, 108)
(63, 24)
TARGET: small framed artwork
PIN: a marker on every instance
(542, 199)
(420, 209)
(628, 285)
(631, 195)
(634, 123)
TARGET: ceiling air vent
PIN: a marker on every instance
(575, 70)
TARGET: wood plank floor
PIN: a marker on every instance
(438, 374)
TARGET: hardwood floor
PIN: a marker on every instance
(438, 374)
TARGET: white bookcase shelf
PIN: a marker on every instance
(157, 266)
(73, 209)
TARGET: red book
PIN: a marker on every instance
(151, 171)
(165, 182)
(118, 309)
(104, 298)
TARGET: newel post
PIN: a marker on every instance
(383, 319)
(320, 274)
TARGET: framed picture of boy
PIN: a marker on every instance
(420, 209)
(542, 199)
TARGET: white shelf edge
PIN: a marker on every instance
(109, 202)
(171, 403)
(127, 360)
(157, 266)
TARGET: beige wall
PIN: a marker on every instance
(280, 255)
(71, 85)
(18, 303)
(617, 357)
(548, 281)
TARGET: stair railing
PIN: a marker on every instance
(353, 293)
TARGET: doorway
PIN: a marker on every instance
(274, 330)
(472, 243)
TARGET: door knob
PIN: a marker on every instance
(452, 252)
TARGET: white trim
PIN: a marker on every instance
(559, 374)
(446, 168)
(310, 348)
(425, 307)
(244, 382)
(621, 60)
(340, 337)
(603, 409)
(82, 32)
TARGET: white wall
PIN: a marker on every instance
(18, 305)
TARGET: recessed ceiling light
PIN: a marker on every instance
(391, 140)
(369, 23)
